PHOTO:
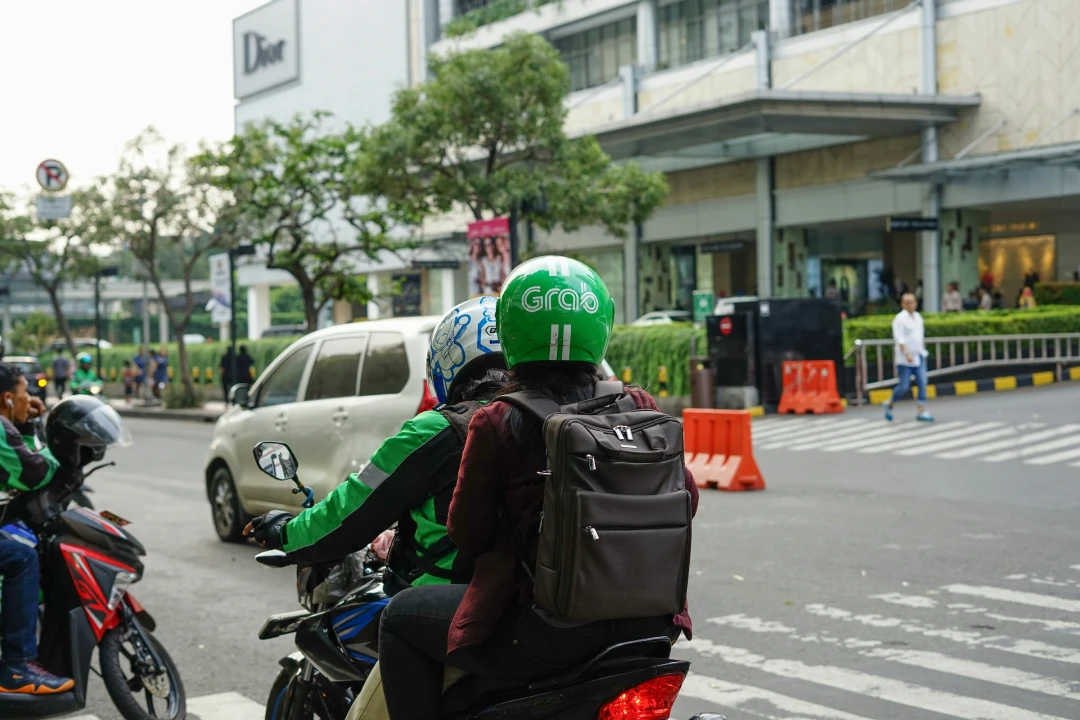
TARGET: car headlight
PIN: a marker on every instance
(42, 382)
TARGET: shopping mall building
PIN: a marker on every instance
(806, 142)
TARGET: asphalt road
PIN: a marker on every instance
(859, 585)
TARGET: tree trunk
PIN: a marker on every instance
(61, 319)
(307, 294)
(185, 371)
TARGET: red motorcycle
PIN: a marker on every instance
(88, 563)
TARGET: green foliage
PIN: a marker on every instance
(1012, 321)
(178, 396)
(30, 336)
(285, 299)
(289, 181)
(1057, 293)
(493, 12)
(645, 349)
(486, 132)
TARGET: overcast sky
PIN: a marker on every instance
(78, 78)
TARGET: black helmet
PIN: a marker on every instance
(79, 429)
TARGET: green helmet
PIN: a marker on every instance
(554, 308)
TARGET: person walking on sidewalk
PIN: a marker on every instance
(61, 368)
(911, 356)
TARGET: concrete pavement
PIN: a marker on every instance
(858, 586)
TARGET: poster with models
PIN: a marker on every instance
(489, 255)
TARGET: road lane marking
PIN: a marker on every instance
(939, 662)
(1049, 602)
(794, 426)
(934, 447)
(875, 686)
(1035, 449)
(889, 438)
(812, 442)
(1032, 682)
(225, 706)
(1009, 443)
(1056, 457)
(757, 701)
(912, 601)
(792, 435)
(971, 638)
(917, 441)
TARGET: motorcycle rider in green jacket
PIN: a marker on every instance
(84, 373)
(24, 467)
(411, 477)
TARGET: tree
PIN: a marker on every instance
(297, 186)
(486, 132)
(162, 204)
(32, 334)
(54, 252)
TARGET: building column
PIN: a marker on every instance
(258, 310)
(781, 19)
(163, 326)
(631, 253)
(341, 312)
(648, 37)
(930, 242)
(765, 227)
(373, 303)
(446, 289)
(446, 13)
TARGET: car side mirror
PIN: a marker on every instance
(276, 459)
(239, 395)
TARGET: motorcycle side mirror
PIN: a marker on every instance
(276, 459)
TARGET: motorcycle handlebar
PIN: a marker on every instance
(273, 558)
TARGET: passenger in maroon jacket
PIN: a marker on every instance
(491, 626)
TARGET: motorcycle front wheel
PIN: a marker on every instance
(137, 694)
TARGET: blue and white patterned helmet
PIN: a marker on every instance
(464, 336)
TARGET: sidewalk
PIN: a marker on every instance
(209, 412)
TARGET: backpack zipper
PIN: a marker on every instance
(592, 462)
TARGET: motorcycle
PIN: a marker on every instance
(337, 636)
(94, 388)
(89, 560)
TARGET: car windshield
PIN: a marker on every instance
(27, 368)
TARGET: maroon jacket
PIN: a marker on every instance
(490, 464)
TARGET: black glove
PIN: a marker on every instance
(268, 529)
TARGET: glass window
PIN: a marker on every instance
(811, 15)
(595, 56)
(336, 368)
(386, 369)
(283, 385)
(692, 30)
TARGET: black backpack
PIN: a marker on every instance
(615, 530)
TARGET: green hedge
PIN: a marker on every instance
(1057, 293)
(645, 349)
(1013, 321)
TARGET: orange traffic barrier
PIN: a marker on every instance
(810, 387)
(718, 449)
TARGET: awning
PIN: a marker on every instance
(763, 123)
(980, 166)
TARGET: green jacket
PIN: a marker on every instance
(21, 468)
(410, 480)
(82, 376)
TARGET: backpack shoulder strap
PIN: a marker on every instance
(538, 406)
(608, 387)
(459, 416)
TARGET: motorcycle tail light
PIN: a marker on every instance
(651, 700)
(120, 587)
(42, 382)
(429, 401)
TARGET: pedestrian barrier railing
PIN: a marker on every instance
(952, 355)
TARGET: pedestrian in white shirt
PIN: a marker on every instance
(952, 300)
(911, 357)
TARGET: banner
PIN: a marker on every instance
(220, 289)
(489, 255)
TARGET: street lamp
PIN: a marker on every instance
(234, 253)
(110, 271)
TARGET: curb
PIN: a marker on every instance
(199, 416)
(972, 387)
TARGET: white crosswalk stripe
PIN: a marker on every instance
(222, 706)
(970, 671)
(1032, 443)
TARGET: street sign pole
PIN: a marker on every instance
(239, 250)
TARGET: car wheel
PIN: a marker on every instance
(229, 518)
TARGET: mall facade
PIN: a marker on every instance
(808, 144)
